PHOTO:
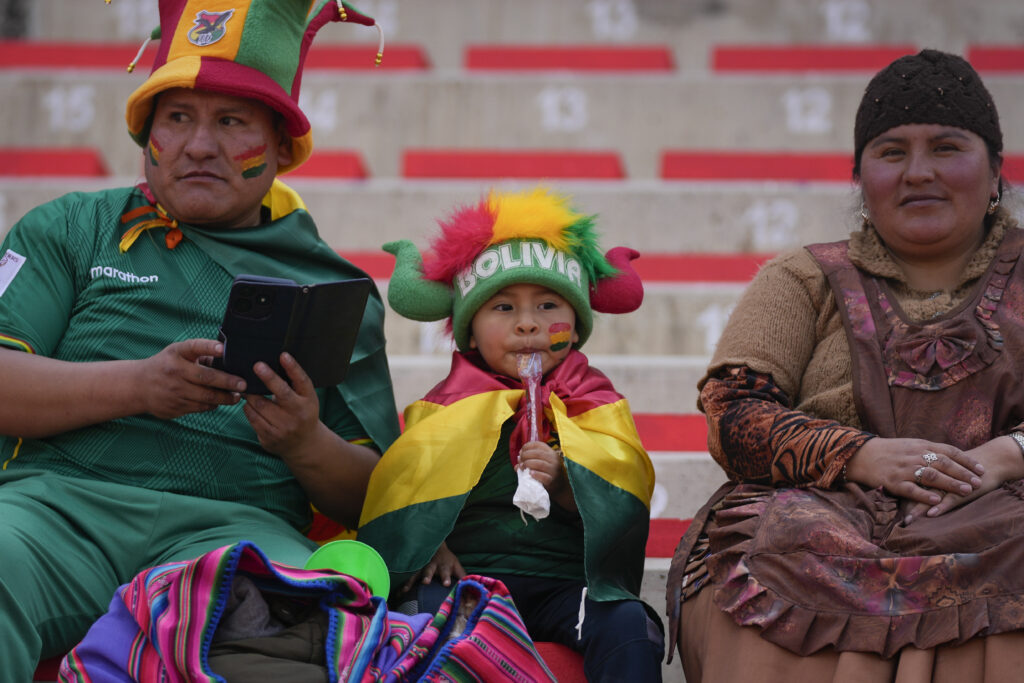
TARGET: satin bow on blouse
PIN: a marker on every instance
(944, 348)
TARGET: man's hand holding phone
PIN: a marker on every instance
(290, 415)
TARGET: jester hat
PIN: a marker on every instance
(532, 236)
(245, 48)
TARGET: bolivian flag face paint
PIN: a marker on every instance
(253, 162)
(560, 334)
(154, 149)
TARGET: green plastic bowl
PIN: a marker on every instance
(355, 559)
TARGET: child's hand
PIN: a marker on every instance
(545, 463)
(444, 565)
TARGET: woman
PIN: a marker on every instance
(864, 401)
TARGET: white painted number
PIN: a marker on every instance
(712, 320)
(70, 108)
(320, 108)
(136, 18)
(773, 223)
(847, 20)
(563, 109)
(659, 500)
(385, 13)
(808, 110)
(614, 19)
(434, 337)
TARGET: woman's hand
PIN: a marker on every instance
(1002, 461)
(444, 565)
(916, 470)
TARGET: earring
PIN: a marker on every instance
(993, 204)
(865, 219)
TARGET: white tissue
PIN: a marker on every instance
(531, 497)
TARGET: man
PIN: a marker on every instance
(120, 446)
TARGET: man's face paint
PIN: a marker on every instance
(154, 150)
(253, 162)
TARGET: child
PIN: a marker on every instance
(517, 275)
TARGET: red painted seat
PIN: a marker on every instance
(568, 58)
(1005, 59)
(511, 163)
(805, 58)
(730, 164)
(331, 164)
(47, 161)
(652, 267)
(45, 54)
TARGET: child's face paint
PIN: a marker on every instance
(253, 162)
(560, 335)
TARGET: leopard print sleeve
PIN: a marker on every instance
(756, 436)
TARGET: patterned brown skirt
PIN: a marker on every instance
(816, 570)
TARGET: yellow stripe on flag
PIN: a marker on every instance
(441, 453)
(605, 441)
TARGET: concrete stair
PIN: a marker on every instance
(635, 118)
(444, 28)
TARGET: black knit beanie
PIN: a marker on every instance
(929, 87)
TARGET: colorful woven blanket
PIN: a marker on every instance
(160, 627)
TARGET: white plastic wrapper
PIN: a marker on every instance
(530, 496)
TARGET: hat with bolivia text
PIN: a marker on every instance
(245, 48)
(532, 237)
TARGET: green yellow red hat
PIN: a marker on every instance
(533, 236)
(246, 48)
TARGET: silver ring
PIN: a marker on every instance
(918, 472)
(930, 457)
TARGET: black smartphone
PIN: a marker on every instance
(318, 324)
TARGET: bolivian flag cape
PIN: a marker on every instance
(420, 484)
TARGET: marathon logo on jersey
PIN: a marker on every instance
(519, 254)
(10, 264)
(209, 27)
(107, 271)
